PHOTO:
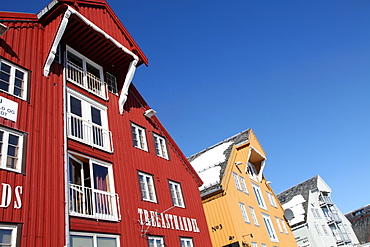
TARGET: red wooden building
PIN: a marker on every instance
(83, 160)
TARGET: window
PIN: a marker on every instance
(93, 240)
(91, 188)
(278, 224)
(284, 226)
(88, 121)
(186, 242)
(244, 186)
(112, 83)
(252, 172)
(13, 79)
(236, 180)
(269, 227)
(254, 244)
(271, 199)
(160, 146)
(147, 187)
(138, 136)
(176, 194)
(254, 217)
(325, 230)
(85, 73)
(259, 197)
(8, 235)
(11, 150)
(155, 241)
(244, 212)
(263, 245)
(317, 229)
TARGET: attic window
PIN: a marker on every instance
(252, 172)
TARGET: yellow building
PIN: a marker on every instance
(240, 205)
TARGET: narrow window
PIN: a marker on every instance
(259, 197)
(244, 212)
(236, 180)
(244, 186)
(176, 194)
(252, 172)
(254, 217)
(271, 199)
(112, 83)
(160, 146)
(278, 224)
(284, 226)
(147, 187)
(139, 137)
(269, 227)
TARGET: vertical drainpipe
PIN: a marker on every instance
(65, 156)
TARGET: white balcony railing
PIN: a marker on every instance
(89, 133)
(325, 200)
(92, 203)
(86, 80)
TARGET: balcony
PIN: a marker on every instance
(93, 203)
(86, 80)
(325, 200)
(89, 133)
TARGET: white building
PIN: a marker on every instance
(314, 218)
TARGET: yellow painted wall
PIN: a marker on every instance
(223, 213)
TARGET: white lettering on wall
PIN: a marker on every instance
(168, 221)
(6, 196)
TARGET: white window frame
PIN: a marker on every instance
(94, 237)
(237, 182)
(176, 194)
(254, 244)
(5, 148)
(270, 228)
(81, 128)
(111, 83)
(243, 210)
(252, 171)
(160, 146)
(263, 245)
(139, 137)
(12, 78)
(244, 185)
(259, 196)
(109, 198)
(278, 224)
(14, 234)
(155, 238)
(75, 74)
(283, 223)
(271, 199)
(254, 216)
(186, 242)
(147, 187)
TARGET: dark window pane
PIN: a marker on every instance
(95, 116)
(76, 106)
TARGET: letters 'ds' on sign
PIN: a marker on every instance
(8, 109)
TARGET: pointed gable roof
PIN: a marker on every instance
(211, 162)
(100, 14)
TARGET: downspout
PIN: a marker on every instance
(66, 180)
(126, 85)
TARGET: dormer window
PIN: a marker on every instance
(252, 172)
(85, 73)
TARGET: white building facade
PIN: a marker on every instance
(314, 218)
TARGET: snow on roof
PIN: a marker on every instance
(296, 205)
(208, 164)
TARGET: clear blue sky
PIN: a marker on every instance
(296, 72)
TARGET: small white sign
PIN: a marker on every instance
(8, 109)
